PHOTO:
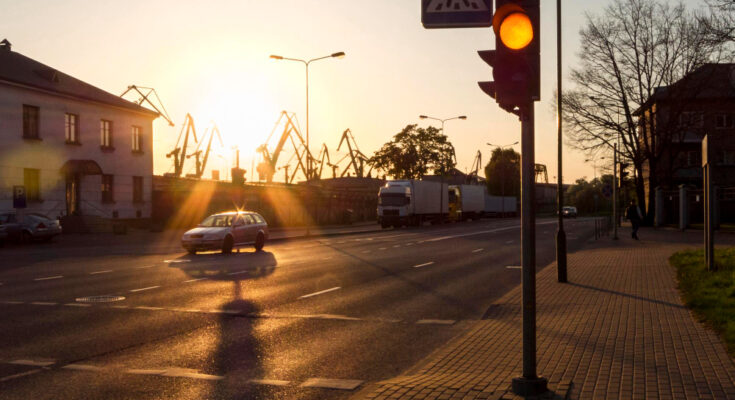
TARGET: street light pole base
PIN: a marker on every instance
(523, 386)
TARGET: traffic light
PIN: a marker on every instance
(516, 58)
(623, 172)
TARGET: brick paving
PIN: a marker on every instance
(617, 330)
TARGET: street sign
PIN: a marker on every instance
(456, 13)
(607, 191)
(19, 197)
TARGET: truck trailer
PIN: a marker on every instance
(468, 201)
(412, 202)
(498, 206)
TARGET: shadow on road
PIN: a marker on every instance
(227, 267)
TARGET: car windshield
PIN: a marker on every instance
(217, 221)
(393, 199)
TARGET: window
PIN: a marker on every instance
(724, 121)
(30, 122)
(108, 189)
(248, 219)
(106, 134)
(32, 183)
(136, 139)
(137, 189)
(691, 119)
(71, 129)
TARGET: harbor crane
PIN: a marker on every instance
(267, 168)
(151, 97)
(201, 166)
(473, 176)
(357, 158)
(179, 152)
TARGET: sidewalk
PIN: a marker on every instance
(617, 330)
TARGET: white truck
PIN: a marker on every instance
(412, 202)
(499, 206)
(468, 201)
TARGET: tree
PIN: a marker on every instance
(633, 48)
(503, 173)
(720, 21)
(588, 196)
(414, 152)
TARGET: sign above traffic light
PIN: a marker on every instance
(516, 58)
(456, 13)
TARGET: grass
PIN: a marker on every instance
(711, 295)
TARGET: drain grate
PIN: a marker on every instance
(100, 299)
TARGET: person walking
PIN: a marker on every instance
(633, 214)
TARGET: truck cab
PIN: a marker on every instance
(394, 203)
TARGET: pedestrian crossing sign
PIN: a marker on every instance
(456, 13)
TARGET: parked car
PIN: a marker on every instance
(224, 231)
(28, 227)
(569, 212)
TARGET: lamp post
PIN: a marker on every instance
(306, 63)
(441, 177)
(502, 181)
(561, 236)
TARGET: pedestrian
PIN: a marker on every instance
(633, 214)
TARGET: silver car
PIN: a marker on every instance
(29, 227)
(225, 231)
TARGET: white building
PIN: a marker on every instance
(77, 149)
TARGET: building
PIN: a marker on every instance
(677, 117)
(76, 149)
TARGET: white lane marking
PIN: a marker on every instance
(120, 307)
(13, 302)
(509, 242)
(33, 363)
(396, 245)
(237, 273)
(423, 265)
(145, 371)
(342, 241)
(482, 232)
(334, 316)
(78, 305)
(514, 267)
(270, 382)
(145, 288)
(100, 272)
(183, 260)
(340, 384)
(83, 367)
(20, 375)
(232, 312)
(365, 251)
(149, 308)
(43, 303)
(190, 373)
(409, 244)
(145, 266)
(436, 321)
(196, 280)
(327, 258)
(47, 278)
(320, 292)
(382, 248)
(477, 250)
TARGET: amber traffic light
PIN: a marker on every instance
(515, 60)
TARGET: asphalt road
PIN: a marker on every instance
(311, 319)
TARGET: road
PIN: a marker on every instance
(303, 319)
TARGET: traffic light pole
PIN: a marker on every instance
(529, 383)
(561, 236)
(615, 191)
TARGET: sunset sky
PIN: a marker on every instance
(211, 59)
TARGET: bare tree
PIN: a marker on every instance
(720, 20)
(630, 50)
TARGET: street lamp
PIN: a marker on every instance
(502, 181)
(306, 63)
(441, 177)
(594, 164)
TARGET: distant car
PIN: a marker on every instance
(569, 212)
(29, 227)
(224, 231)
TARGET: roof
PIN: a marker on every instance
(19, 69)
(710, 81)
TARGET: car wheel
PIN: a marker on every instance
(26, 237)
(227, 245)
(259, 242)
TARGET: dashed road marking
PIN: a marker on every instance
(196, 280)
(145, 288)
(20, 375)
(43, 303)
(514, 267)
(423, 265)
(190, 373)
(183, 260)
(320, 292)
(238, 273)
(78, 304)
(145, 371)
(120, 307)
(509, 242)
(340, 384)
(327, 258)
(382, 248)
(365, 251)
(409, 244)
(477, 250)
(48, 278)
(436, 322)
(149, 308)
(396, 245)
(100, 272)
(13, 302)
(145, 266)
(83, 367)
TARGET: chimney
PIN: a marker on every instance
(5, 45)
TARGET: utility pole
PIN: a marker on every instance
(561, 237)
(615, 191)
